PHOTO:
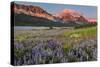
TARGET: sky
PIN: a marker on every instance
(88, 11)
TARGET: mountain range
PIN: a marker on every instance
(37, 16)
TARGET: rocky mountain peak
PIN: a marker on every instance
(32, 11)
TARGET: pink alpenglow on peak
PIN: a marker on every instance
(73, 15)
(92, 20)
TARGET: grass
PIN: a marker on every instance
(70, 41)
(81, 33)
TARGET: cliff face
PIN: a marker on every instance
(32, 11)
(71, 15)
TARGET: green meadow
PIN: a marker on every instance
(41, 46)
